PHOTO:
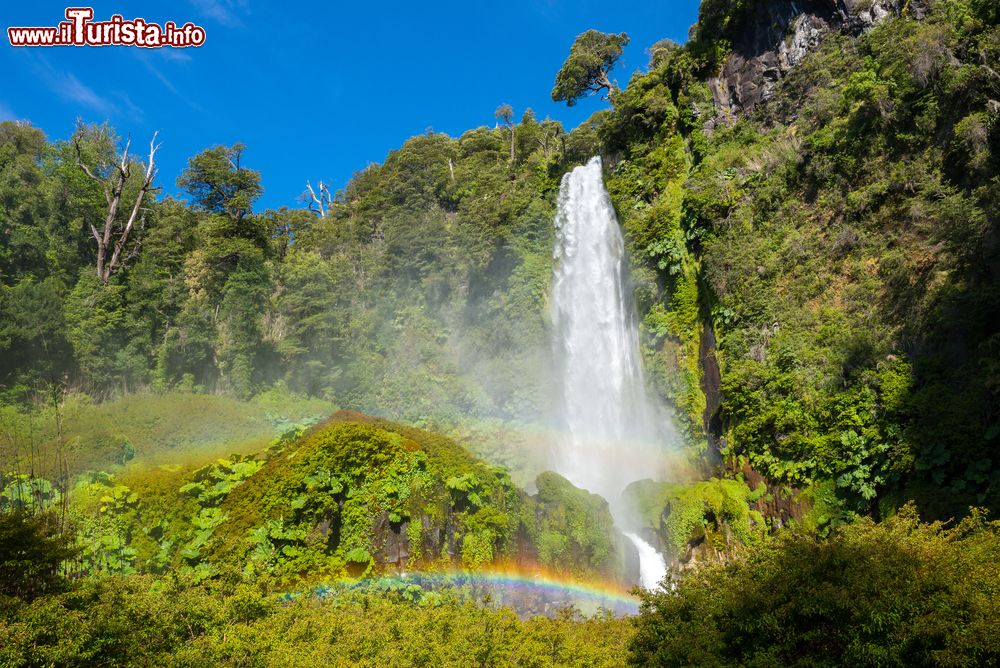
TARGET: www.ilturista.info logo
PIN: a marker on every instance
(79, 29)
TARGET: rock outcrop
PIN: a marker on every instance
(774, 36)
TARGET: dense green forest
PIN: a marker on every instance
(812, 224)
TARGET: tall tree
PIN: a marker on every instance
(23, 242)
(114, 177)
(219, 183)
(585, 72)
(505, 113)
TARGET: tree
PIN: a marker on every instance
(219, 183)
(505, 113)
(547, 135)
(285, 225)
(320, 200)
(585, 71)
(31, 552)
(113, 179)
(898, 593)
(23, 242)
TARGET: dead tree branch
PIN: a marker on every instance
(115, 235)
(320, 202)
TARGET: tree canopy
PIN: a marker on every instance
(585, 72)
(219, 183)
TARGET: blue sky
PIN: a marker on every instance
(317, 90)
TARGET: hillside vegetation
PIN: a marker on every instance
(820, 275)
(352, 496)
(809, 193)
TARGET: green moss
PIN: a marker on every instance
(684, 513)
(572, 528)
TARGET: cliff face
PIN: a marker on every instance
(826, 205)
(773, 37)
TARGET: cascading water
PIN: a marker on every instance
(610, 433)
(652, 565)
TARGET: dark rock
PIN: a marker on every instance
(776, 36)
(711, 386)
(629, 556)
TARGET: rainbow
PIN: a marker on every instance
(589, 595)
(596, 590)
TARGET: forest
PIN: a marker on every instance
(226, 433)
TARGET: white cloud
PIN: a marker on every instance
(146, 57)
(132, 109)
(170, 54)
(67, 86)
(226, 12)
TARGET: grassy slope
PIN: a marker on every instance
(151, 429)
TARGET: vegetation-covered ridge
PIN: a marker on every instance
(351, 496)
(816, 272)
(818, 276)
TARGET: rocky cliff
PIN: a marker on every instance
(771, 37)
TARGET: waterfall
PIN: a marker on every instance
(652, 566)
(609, 431)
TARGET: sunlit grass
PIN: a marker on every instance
(148, 430)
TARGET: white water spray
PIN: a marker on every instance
(652, 566)
(610, 433)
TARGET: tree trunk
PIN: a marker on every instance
(113, 189)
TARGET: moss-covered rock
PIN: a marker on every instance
(572, 529)
(699, 520)
(356, 494)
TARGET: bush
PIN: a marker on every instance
(31, 553)
(900, 593)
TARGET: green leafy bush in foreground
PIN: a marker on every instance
(899, 593)
(143, 621)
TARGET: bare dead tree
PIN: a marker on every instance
(114, 236)
(320, 202)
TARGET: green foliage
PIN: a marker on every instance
(573, 529)
(103, 514)
(219, 183)
(897, 593)
(592, 56)
(834, 241)
(420, 293)
(351, 496)
(23, 492)
(713, 512)
(212, 484)
(146, 621)
(32, 550)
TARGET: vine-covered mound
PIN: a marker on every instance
(356, 492)
(351, 496)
